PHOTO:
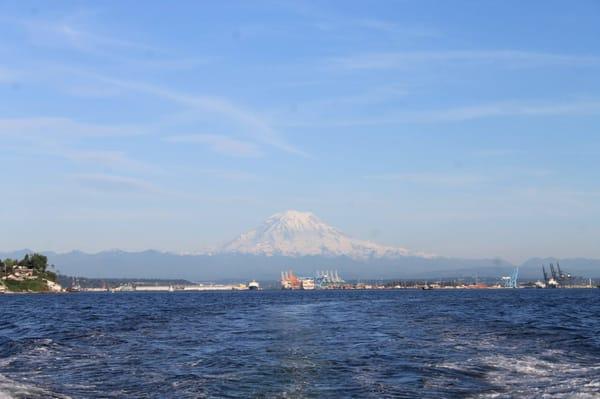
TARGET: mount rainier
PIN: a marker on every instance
(296, 240)
(295, 233)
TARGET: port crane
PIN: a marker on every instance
(553, 272)
(557, 277)
(564, 277)
(512, 281)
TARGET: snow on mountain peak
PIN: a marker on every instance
(295, 220)
(295, 233)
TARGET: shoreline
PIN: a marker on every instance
(147, 291)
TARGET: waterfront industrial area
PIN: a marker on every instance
(553, 277)
(32, 274)
(160, 286)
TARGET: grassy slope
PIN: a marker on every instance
(37, 285)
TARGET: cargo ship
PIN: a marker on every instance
(289, 281)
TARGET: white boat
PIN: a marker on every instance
(125, 287)
(75, 287)
(253, 285)
(307, 284)
(539, 284)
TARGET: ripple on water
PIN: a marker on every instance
(292, 344)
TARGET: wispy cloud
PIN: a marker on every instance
(431, 179)
(67, 33)
(515, 58)
(458, 114)
(49, 127)
(254, 125)
(115, 183)
(219, 143)
(93, 91)
(514, 109)
(386, 26)
(370, 96)
(222, 174)
(117, 160)
(330, 19)
(74, 33)
(501, 176)
(56, 137)
(170, 62)
(497, 152)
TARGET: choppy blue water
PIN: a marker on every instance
(478, 343)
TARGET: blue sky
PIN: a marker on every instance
(458, 128)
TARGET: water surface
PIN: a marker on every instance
(403, 343)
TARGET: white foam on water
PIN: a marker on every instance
(10, 389)
(551, 374)
(21, 387)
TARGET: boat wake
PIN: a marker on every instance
(552, 373)
(326, 344)
(10, 389)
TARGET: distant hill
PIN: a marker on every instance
(154, 264)
(299, 241)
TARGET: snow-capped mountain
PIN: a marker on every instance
(294, 233)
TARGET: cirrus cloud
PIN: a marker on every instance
(219, 143)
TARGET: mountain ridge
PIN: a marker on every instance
(295, 233)
(157, 264)
(298, 240)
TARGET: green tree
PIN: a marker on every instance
(9, 264)
(38, 262)
(25, 262)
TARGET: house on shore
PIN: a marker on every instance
(21, 273)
